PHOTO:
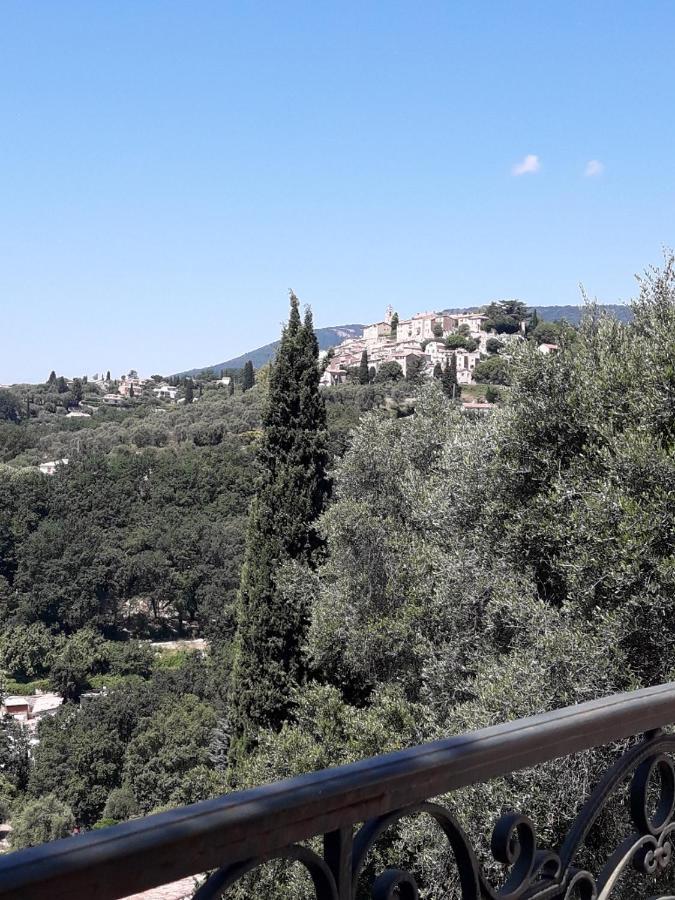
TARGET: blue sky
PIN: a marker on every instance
(169, 169)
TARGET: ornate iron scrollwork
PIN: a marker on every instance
(533, 874)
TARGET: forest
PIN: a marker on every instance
(367, 580)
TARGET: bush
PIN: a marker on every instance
(25, 688)
(120, 806)
(458, 341)
(546, 333)
(491, 371)
(104, 823)
(10, 407)
(494, 345)
(130, 658)
(82, 655)
(390, 371)
(26, 651)
(7, 798)
(41, 820)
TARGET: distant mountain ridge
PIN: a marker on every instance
(571, 314)
(331, 337)
(327, 338)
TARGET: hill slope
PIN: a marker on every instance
(327, 338)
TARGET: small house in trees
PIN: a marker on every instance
(49, 468)
(131, 385)
(165, 392)
(16, 707)
(113, 399)
(333, 375)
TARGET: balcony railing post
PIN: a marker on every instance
(337, 851)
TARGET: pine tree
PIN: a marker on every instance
(230, 388)
(52, 377)
(394, 325)
(107, 375)
(131, 391)
(291, 495)
(189, 391)
(248, 376)
(364, 375)
(438, 371)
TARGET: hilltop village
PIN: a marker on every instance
(422, 345)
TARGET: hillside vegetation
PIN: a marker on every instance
(406, 577)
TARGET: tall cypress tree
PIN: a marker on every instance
(247, 377)
(449, 381)
(291, 495)
(364, 375)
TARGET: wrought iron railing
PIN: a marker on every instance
(352, 806)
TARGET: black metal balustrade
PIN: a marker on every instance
(352, 806)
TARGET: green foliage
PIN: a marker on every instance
(389, 371)
(129, 658)
(79, 758)
(44, 819)
(505, 316)
(25, 688)
(449, 383)
(26, 651)
(10, 407)
(248, 377)
(165, 762)
(8, 795)
(120, 805)
(14, 749)
(81, 655)
(364, 375)
(415, 370)
(546, 333)
(129, 541)
(459, 341)
(493, 370)
(493, 345)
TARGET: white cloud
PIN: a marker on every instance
(593, 167)
(527, 165)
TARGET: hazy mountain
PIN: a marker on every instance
(327, 338)
(571, 314)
